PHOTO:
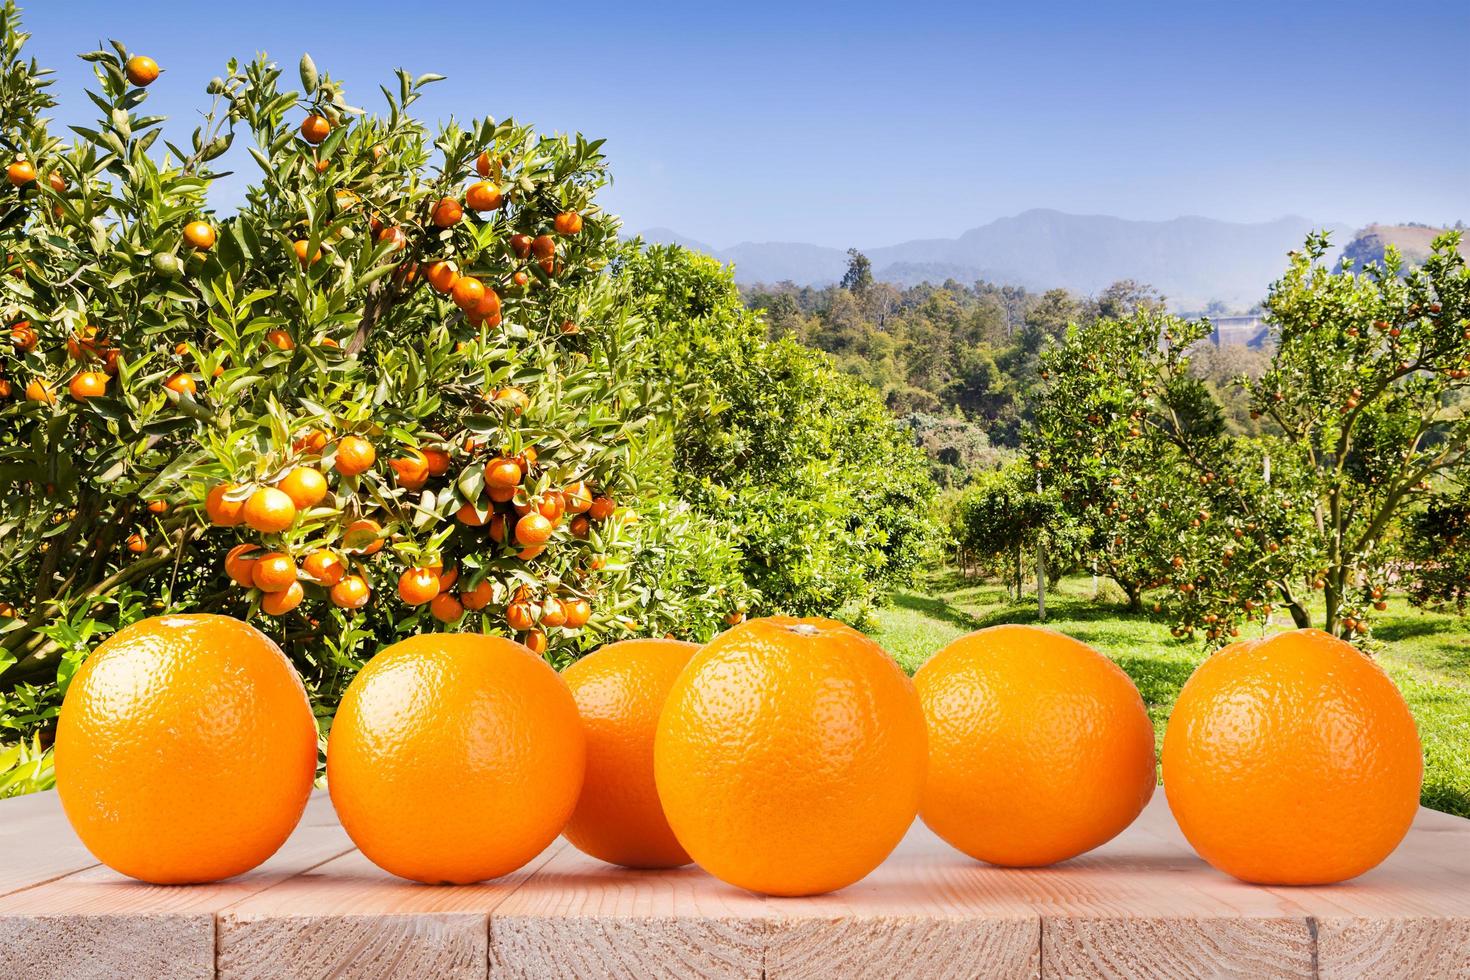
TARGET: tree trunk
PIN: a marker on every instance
(1040, 581)
(1134, 594)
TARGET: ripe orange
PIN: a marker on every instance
(483, 196)
(351, 592)
(23, 337)
(483, 164)
(553, 612)
(568, 223)
(183, 384)
(502, 472)
(324, 567)
(282, 602)
(222, 512)
(468, 735)
(502, 494)
(441, 275)
(137, 544)
(445, 608)
(56, 182)
(513, 398)
(790, 756)
(1292, 760)
(417, 586)
(281, 340)
(269, 510)
(185, 750)
(535, 641)
(438, 461)
(478, 597)
(467, 292)
(21, 173)
(578, 612)
(363, 537)
(518, 616)
(273, 572)
(468, 516)
(620, 691)
(578, 498)
(88, 384)
(602, 508)
(411, 469)
(85, 342)
(521, 245)
(40, 390)
(533, 529)
(487, 309)
(300, 248)
(312, 441)
(447, 213)
(315, 128)
(543, 246)
(240, 564)
(141, 70)
(355, 456)
(395, 237)
(199, 235)
(305, 486)
(1040, 748)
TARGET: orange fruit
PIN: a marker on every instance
(1040, 748)
(355, 456)
(273, 572)
(85, 342)
(141, 70)
(240, 564)
(23, 336)
(535, 641)
(568, 223)
(1292, 760)
(521, 245)
(21, 173)
(445, 608)
(581, 527)
(483, 165)
(438, 461)
(183, 384)
(199, 235)
(324, 567)
(350, 592)
(441, 275)
(222, 512)
(518, 616)
(40, 390)
(467, 292)
(544, 246)
(312, 441)
(282, 602)
(533, 529)
(411, 469)
(466, 734)
(553, 612)
(447, 213)
(478, 597)
(300, 248)
(315, 128)
(137, 544)
(269, 510)
(790, 756)
(417, 586)
(578, 498)
(280, 340)
(502, 472)
(578, 612)
(483, 196)
(620, 691)
(446, 578)
(186, 749)
(468, 516)
(395, 237)
(602, 508)
(363, 537)
(513, 398)
(305, 486)
(501, 494)
(88, 384)
(488, 308)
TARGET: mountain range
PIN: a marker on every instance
(1191, 260)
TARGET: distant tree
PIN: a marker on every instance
(858, 278)
(1437, 546)
(1126, 297)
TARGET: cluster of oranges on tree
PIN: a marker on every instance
(397, 368)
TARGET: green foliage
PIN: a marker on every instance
(821, 492)
(1436, 547)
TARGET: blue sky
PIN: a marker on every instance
(866, 124)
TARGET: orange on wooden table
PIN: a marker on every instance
(185, 750)
(1040, 748)
(620, 691)
(1292, 760)
(455, 757)
(790, 756)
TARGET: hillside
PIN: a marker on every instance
(1191, 260)
(1413, 241)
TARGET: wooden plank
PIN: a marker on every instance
(37, 843)
(348, 918)
(1145, 905)
(578, 917)
(97, 923)
(928, 911)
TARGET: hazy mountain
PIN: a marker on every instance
(1413, 243)
(1191, 260)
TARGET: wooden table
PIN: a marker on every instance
(1143, 905)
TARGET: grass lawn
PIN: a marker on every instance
(1427, 654)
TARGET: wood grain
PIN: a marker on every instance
(97, 923)
(37, 844)
(348, 918)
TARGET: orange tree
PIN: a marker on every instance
(1364, 400)
(393, 392)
